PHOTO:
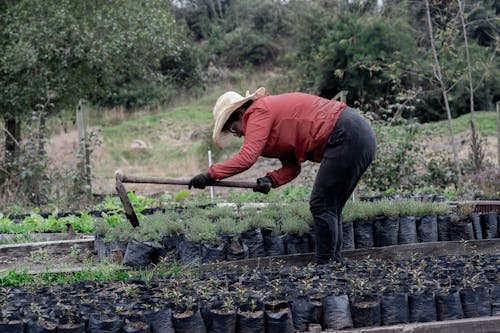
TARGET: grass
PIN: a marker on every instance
(486, 124)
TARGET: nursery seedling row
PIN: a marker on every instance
(285, 298)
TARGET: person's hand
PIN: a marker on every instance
(200, 181)
(264, 185)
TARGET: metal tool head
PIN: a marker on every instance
(127, 205)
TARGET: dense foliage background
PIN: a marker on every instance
(137, 54)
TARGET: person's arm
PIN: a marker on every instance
(289, 170)
(257, 130)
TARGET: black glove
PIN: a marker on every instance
(264, 185)
(200, 181)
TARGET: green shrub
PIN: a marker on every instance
(199, 229)
(293, 224)
(228, 225)
(218, 212)
(154, 226)
(252, 220)
(123, 231)
(301, 210)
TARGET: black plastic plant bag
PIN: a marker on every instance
(161, 321)
(407, 230)
(136, 327)
(498, 223)
(138, 254)
(189, 322)
(363, 234)
(337, 312)
(348, 235)
(312, 239)
(422, 307)
(118, 245)
(16, 326)
(236, 249)
(394, 309)
(273, 245)
(295, 244)
(101, 247)
(427, 229)
(495, 300)
(489, 225)
(475, 302)
(254, 241)
(365, 311)
(305, 312)
(98, 324)
(37, 327)
(443, 222)
(385, 231)
(449, 306)
(279, 320)
(171, 242)
(250, 317)
(213, 253)
(189, 251)
(250, 322)
(461, 230)
(73, 328)
(221, 321)
(476, 225)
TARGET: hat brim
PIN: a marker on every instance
(218, 135)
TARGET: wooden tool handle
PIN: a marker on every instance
(172, 181)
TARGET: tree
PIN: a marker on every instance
(439, 76)
(371, 56)
(108, 52)
(475, 142)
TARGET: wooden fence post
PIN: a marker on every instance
(83, 148)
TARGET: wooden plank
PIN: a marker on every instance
(39, 237)
(468, 325)
(407, 251)
(52, 247)
(74, 269)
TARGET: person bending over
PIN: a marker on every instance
(295, 127)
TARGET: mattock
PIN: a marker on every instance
(127, 205)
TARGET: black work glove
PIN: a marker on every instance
(200, 181)
(264, 185)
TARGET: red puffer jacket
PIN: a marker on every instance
(293, 127)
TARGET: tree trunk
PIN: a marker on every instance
(12, 138)
(42, 129)
(475, 144)
(211, 6)
(443, 89)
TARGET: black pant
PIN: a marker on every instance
(350, 150)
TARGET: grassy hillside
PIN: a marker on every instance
(173, 141)
(486, 123)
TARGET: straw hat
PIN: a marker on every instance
(225, 106)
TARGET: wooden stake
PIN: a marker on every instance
(81, 122)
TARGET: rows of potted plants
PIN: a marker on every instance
(275, 298)
(218, 233)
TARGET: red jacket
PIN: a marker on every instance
(293, 127)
